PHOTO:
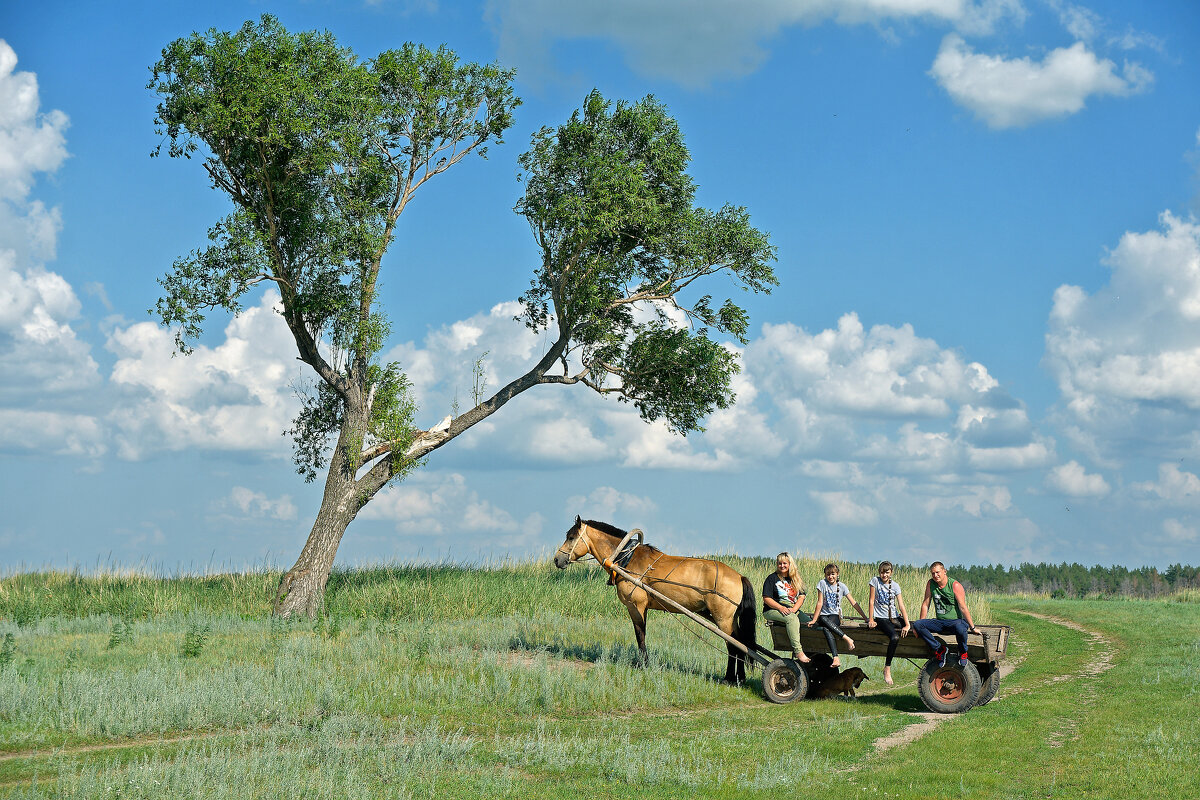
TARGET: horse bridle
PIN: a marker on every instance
(571, 553)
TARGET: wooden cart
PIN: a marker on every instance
(948, 690)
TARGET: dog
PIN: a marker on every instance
(843, 683)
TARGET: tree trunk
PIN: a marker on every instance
(302, 589)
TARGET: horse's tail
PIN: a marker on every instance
(746, 619)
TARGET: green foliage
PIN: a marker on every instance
(8, 650)
(609, 200)
(319, 152)
(194, 640)
(1075, 580)
(122, 633)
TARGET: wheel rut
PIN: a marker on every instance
(1101, 662)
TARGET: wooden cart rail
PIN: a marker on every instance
(986, 647)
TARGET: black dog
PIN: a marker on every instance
(820, 670)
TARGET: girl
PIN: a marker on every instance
(829, 611)
(884, 600)
(783, 594)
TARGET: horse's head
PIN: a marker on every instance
(574, 547)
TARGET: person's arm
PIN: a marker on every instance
(854, 603)
(961, 597)
(817, 610)
(768, 599)
(800, 594)
(903, 614)
(871, 604)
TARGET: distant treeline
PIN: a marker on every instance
(1076, 580)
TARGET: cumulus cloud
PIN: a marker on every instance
(1174, 486)
(40, 353)
(607, 503)
(30, 141)
(840, 508)
(51, 433)
(432, 503)
(238, 395)
(694, 42)
(1126, 357)
(1008, 93)
(258, 505)
(1073, 480)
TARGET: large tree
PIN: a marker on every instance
(320, 153)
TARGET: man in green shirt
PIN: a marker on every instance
(950, 614)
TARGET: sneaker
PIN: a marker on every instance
(941, 654)
(962, 661)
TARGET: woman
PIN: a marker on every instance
(783, 594)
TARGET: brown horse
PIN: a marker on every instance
(709, 588)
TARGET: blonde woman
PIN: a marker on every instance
(783, 594)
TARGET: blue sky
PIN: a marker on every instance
(985, 346)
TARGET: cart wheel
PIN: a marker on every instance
(950, 689)
(991, 684)
(784, 681)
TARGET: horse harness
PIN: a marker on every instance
(623, 558)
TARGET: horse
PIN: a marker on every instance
(708, 588)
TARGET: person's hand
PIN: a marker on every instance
(904, 631)
(812, 622)
(871, 624)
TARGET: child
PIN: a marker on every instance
(828, 613)
(884, 600)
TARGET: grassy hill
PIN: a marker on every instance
(516, 680)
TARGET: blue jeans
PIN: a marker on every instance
(925, 628)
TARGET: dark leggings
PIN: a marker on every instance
(830, 625)
(887, 627)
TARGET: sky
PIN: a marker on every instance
(984, 348)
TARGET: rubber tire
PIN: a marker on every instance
(991, 685)
(784, 681)
(959, 686)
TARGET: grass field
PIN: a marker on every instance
(517, 680)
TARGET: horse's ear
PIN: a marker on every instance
(577, 519)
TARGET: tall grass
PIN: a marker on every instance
(387, 592)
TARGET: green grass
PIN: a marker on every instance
(518, 680)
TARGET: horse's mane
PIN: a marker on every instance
(613, 530)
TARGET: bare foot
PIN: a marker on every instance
(837, 662)
(887, 676)
(849, 642)
(803, 659)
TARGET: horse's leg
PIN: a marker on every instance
(735, 665)
(637, 615)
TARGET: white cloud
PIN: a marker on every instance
(609, 504)
(840, 508)
(974, 501)
(258, 505)
(1073, 480)
(30, 142)
(1174, 486)
(1008, 93)
(39, 351)
(51, 433)
(1179, 532)
(694, 42)
(431, 503)
(237, 395)
(1126, 357)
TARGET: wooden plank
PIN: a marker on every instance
(873, 642)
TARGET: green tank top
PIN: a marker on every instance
(945, 604)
